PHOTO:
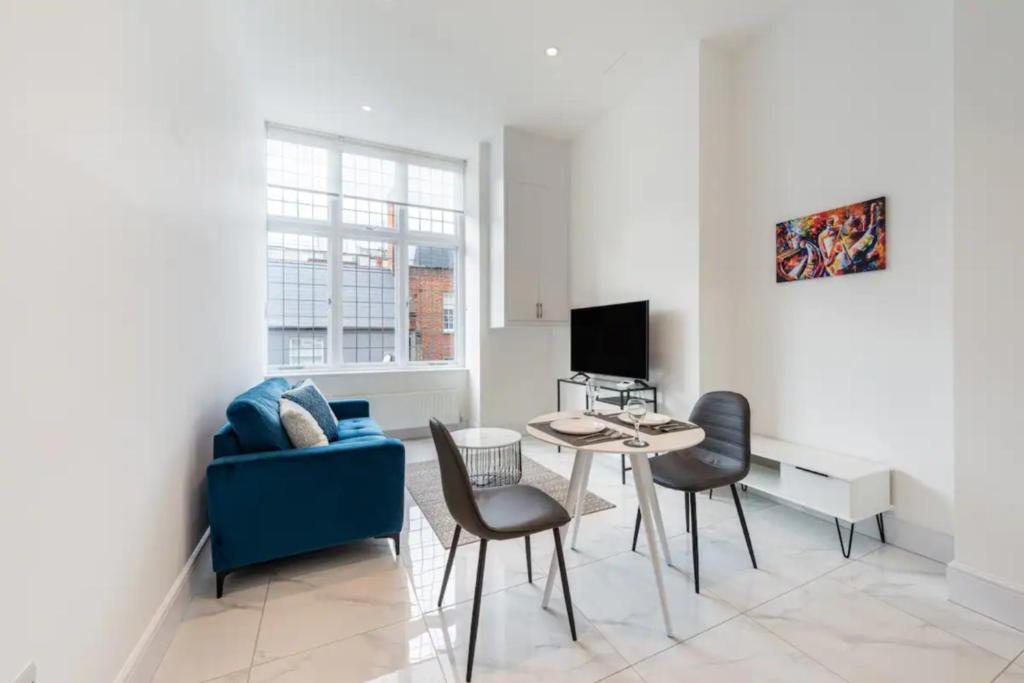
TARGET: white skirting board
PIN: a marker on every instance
(986, 594)
(145, 657)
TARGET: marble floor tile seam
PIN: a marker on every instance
(228, 675)
(259, 627)
(897, 607)
(335, 641)
(1005, 669)
(872, 598)
(536, 580)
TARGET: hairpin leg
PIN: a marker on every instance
(849, 546)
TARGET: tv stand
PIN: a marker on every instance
(615, 395)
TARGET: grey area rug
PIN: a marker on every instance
(423, 479)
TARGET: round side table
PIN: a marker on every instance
(493, 456)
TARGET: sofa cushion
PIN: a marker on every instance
(312, 405)
(302, 428)
(254, 417)
(357, 426)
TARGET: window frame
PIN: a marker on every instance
(401, 237)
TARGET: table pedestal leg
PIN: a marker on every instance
(579, 466)
(582, 497)
(645, 493)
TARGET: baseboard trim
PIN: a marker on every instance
(145, 657)
(986, 594)
(934, 545)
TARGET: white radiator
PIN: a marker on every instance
(409, 410)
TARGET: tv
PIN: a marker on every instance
(610, 340)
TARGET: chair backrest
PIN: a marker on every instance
(458, 492)
(725, 418)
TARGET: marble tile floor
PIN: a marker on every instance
(355, 614)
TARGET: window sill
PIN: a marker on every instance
(322, 372)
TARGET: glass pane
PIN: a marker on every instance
(435, 187)
(432, 314)
(296, 181)
(298, 299)
(368, 301)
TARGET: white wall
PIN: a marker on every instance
(839, 102)
(634, 226)
(132, 288)
(719, 269)
(988, 574)
(512, 369)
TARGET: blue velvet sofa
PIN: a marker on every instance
(268, 500)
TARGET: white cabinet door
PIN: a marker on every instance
(524, 215)
(553, 255)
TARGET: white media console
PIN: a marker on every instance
(840, 486)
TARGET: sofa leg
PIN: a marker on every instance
(220, 584)
(397, 539)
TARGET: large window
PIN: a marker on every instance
(364, 247)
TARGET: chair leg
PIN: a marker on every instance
(220, 584)
(881, 526)
(693, 538)
(451, 559)
(565, 583)
(687, 506)
(476, 607)
(529, 561)
(636, 529)
(743, 523)
(623, 469)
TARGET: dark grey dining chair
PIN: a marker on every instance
(721, 459)
(494, 514)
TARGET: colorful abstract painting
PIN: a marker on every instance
(850, 239)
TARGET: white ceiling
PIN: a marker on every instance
(441, 75)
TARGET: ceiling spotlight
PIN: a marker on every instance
(366, 107)
(551, 52)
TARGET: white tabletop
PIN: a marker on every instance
(485, 437)
(661, 443)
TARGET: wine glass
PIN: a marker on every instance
(636, 409)
(592, 388)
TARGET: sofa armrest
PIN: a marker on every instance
(267, 505)
(352, 407)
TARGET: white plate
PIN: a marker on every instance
(650, 419)
(577, 426)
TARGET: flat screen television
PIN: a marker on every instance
(610, 340)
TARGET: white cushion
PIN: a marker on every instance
(302, 428)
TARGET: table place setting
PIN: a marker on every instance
(579, 431)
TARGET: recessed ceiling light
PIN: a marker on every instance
(366, 107)
(551, 52)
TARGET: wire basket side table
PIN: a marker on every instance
(493, 456)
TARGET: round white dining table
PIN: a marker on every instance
(645, 490)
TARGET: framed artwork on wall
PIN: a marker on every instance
(849, 239)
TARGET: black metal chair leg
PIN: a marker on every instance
(693, 538)
(743, 523)
(220, 584)
(687, 506)
(881, 526)
(711, 494)
(529, 561)
(847, 547)
(476, 607)
(565, 583)
(623, 469)
(636, 529)
(451, 559)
